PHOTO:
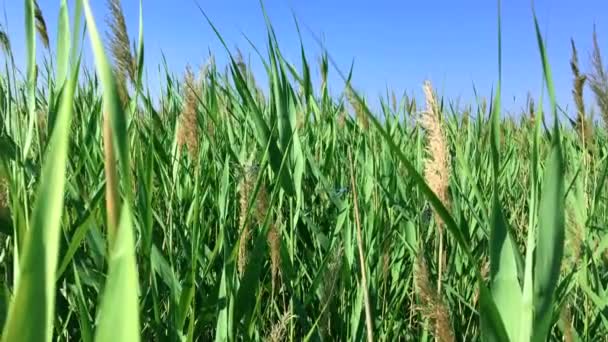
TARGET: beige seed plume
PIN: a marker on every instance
(437, 164)
(189, 126)
(124, 63)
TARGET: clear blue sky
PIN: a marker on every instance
(394, 44)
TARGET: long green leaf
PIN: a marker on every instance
(31, 313)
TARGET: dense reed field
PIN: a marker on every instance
(231, 210)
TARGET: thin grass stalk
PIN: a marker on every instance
(112, 200)
(368, 310)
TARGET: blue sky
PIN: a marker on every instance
(394, 44)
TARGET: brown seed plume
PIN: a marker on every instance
(124, 63)
(41, 25)
(5, 43)
(274, 242)
(189, 125)
(598, 79)
(432, 306)
(582, 126)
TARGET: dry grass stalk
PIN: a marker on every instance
(41, 25)
(582, 126)
(189, 127)
(437, 163)
(433, 308)
(112, 210)
(124, 63)
(598, 79)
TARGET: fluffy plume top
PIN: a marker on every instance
(5, 43)
(583, 128)
(598, 79)
(41, 25)
(189, 125)
(124, 63)
(437, 164)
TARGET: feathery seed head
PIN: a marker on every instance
(582, 125)
(261, 205)
(277, 333)
(41, 25)
(598, 80)
(437, 163)
(5, 43)
(124, 62)
(189, 126)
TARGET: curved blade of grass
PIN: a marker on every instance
(63, 45)
(31, 314)
(111, 104)
(140, 48)
(119, 310)
(551, 219)
(262, 129)
(503, 265)
(77, 23)
(30, 33)
(117, 322)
